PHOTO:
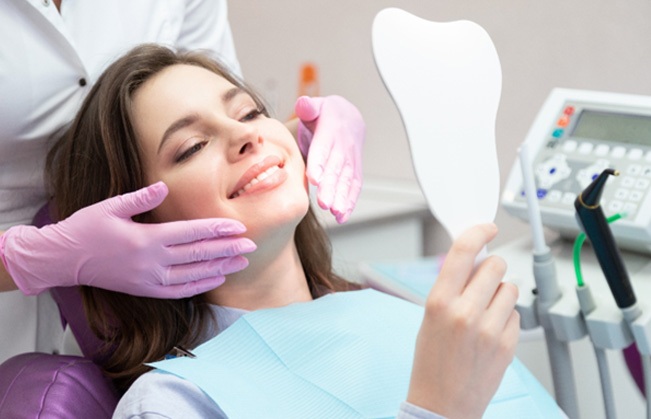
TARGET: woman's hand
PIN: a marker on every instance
(331, 133)
(469, 332)
(101, 246)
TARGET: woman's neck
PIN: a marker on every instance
(274, 278)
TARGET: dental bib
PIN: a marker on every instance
(345, 355)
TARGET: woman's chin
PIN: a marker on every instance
(271, 218)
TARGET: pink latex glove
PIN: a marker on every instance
(331, 132)
(101, 246)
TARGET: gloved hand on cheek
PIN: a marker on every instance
(102, 246)
(331, 133)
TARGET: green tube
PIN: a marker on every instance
(578, 243)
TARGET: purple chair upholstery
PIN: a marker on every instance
(38, 385)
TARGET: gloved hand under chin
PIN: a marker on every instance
(331, 132)
(101, 246)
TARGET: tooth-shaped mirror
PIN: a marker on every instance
(446, 80)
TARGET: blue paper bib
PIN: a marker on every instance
(345, 355)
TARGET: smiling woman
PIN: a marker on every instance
(156, 115)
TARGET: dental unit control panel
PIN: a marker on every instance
(575, 136)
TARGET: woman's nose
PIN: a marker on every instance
(245, 139)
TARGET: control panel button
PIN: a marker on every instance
(586, 175)
(615, 206)
(563, 121)
(618, 152)
(569, 146)
(554, 195)
(552, 170)
(635, 196)
(634, 169)
(569, 110)
(585, 148)
(621, 193)
(628, 181)
(629, 208)
(635, 154)
(642, 184)
(601, 150)
(568, 198)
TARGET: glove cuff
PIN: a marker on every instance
(16, 260)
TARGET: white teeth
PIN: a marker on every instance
(271, 170)
(262, 176)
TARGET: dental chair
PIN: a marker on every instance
(42, 385)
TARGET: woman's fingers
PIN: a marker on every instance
(460, 260)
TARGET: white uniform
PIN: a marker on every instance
(48, 62)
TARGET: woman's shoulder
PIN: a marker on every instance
(158, 394)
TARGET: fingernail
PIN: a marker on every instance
(202, 286)
(324, 204)
(235, 264)
(247, 246)
(230, 228)
(158, 188)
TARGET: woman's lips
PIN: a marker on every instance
(254, 177)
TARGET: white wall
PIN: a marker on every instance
(586, 44)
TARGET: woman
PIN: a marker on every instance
(156, 115)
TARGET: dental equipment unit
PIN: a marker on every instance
(574, 141)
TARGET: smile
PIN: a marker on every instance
(260, 176)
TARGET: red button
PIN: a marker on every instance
(569, 110)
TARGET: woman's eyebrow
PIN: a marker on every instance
(231, 93)
(176, 126)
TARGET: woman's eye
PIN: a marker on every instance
(190, 151)
(253, 114)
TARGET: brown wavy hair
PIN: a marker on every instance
(98, 158)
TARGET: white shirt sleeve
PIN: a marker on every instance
(410, 411)
(205, 26)
(161, 395)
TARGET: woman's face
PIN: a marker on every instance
(219, 156)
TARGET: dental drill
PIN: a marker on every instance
(593, 222)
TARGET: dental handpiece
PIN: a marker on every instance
(593, 222)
